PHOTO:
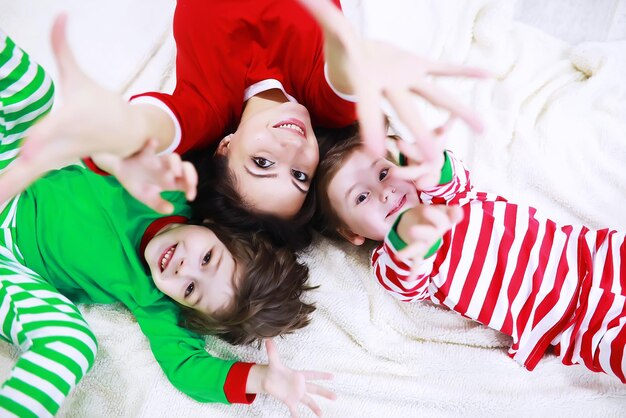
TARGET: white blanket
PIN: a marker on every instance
(555, 139)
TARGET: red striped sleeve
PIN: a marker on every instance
(551, 299)
(545, 252)
(478, 260)
(444, 193)
(622, 269)
(517, 277)
(608, 273)
(596, 314)
(616, 359)
(495, 284)
(393, 275)
(455, 252)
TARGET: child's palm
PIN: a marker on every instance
(291, 386)
(145, 175)
(380, 72)
(91, 120)
(428, 224)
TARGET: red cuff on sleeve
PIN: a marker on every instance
(93, 167)
(235, 385)
(156, 226)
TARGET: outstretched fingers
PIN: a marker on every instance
(435, 221)
(318, 390)
(150, 195)
(15, 179)
(371, 118)
(312, 405)
(415, 152)
(66, 62)
(327, 14)
(440, 98)
(293, 410)
(444, 69)
(272, 352)
(184, 175)
(409, 173)
(443, 218)
(316, 375)
(455, 214)
(408, 124)
(422, 236)
(189, 181)
(38, 136)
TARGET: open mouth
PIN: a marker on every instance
(294, 125)
(399, 204)
(166, 257)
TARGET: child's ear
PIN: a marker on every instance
(222, 147)
(351, 237)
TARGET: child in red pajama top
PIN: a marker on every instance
(501, 264)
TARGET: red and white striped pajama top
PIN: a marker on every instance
(515, 271)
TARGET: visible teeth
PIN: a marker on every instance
(166, 257)
(293, 127)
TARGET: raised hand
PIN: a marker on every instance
(92, 119)
(424, 173)
(421, 227)
(145, 175)
(292, 387)
(377, 72)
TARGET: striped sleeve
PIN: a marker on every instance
(454, 181)
(394, 274)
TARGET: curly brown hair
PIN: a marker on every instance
(268, 297)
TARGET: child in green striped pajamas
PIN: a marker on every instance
(76, 236)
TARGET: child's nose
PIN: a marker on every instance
(388, 190)
(179, 267)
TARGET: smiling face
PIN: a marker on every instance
(192, 266)
(273, 155)
(366, 199)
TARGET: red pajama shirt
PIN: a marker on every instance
(229, 51)
(509, 268)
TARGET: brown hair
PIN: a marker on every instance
(268, 295)
(219, 199)
(337, 145)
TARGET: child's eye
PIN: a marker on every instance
(362, 198)
(206, 258)
(299, 175)
(262, 162)
(383, 174)
(189, 290)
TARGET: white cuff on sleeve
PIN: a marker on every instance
(347, 97)
(158, 103)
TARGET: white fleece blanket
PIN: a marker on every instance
(555, 139)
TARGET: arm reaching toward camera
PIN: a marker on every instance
(292, 387)
(146, 174)
(91, 120)
(378, 72)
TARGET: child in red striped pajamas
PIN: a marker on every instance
(498, 263)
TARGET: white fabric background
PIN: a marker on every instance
(556, 125)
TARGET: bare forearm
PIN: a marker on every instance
(334, 54)
(257, 373)
(152, 123)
